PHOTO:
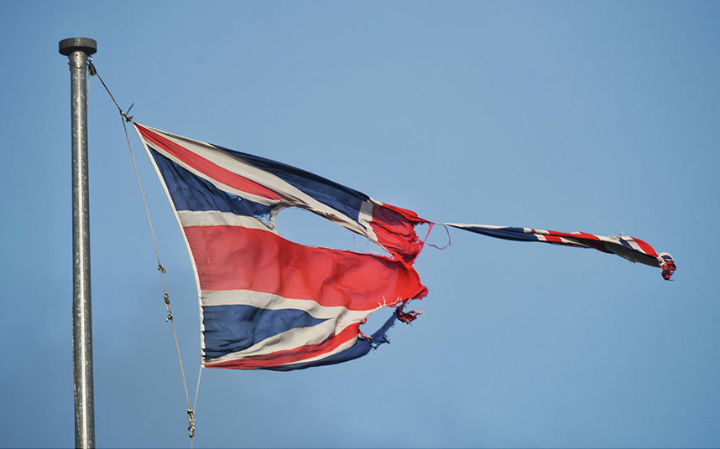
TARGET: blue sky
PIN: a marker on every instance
(593, 116)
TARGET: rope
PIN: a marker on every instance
(197, 389)
(448, 236)
(93, 71)
(125, 119)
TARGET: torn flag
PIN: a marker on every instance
(630, 248)
(266, 302)
(269, 303)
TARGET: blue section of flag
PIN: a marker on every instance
(232, 328)
(341, 198)
(507, 233)
(190, 192)
(359, 349)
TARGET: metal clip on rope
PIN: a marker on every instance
(191, 422)
(167, 307)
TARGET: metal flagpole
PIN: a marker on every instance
(77, 50)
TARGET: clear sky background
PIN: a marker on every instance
(573, 116)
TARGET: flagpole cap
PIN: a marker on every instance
(83, 44)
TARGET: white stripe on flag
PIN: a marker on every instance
(270, 301)
(216, 218)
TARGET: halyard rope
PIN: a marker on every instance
(124, 119)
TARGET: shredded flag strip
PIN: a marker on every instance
(269, 303)
(630, 248)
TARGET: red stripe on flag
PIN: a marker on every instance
(584, 235)
(552, 239)
(206, 167)
(584, 238)
(575, 235)
(231, 257)
(645, 247)
(291, 355)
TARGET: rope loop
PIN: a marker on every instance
(449, 242)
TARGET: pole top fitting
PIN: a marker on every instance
(83, 44)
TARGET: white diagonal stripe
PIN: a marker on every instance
(275, 302)
(291, 339)
(217, 218)
(262, 177)
(338, 318)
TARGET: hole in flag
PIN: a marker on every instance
(306, 228)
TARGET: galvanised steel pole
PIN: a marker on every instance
(77, 50)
